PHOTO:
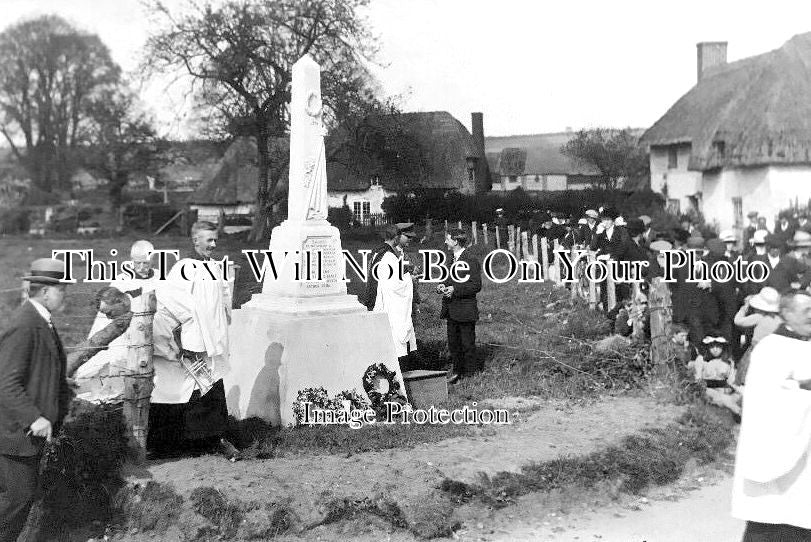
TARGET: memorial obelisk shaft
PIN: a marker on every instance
(300, 333)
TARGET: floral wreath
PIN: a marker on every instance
(320, 400)
(372, 375)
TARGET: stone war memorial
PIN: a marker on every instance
(300, 334)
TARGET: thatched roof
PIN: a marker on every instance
(235, 177)
(436, 139)
(751, 112)
(537, 154)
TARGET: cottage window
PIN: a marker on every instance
(513, 178)
(673, 206)
(471, 174)
(361, 210)
(672, 157)
(537, 178)
(737, 211)
(720, 148)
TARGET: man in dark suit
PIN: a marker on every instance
(459, 306)
(791, 272)
(34, 395)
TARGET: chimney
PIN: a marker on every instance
(482, 170)
(710, 54)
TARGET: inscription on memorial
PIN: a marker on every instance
(328, 277)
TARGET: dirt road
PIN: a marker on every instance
(701, 513)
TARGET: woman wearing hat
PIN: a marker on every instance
(760, 314)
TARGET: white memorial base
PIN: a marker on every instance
(277, 352)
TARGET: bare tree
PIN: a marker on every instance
(616, 154)
(240, 54)
(50, 73)
(121, 141)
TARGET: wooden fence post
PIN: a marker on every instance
(638, 322)
(525, 244)
(475, 228)
(661, 316)
(535, 254)
(556, 261)
(592, 285)
(429, 229)
(498, 236)
(446, 226)
(486, 236)
(545, 257)
(138, 380)
(518, 238)
(460, 224)
(511, 238)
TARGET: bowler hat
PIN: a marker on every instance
(406, 228)
(646, 220)
(752, 214)
(620, 221)
(767, 300)
(609, 212)
(681, 235)
(716, 247)
(773, 241)
(696, 242)
(636, 227)
(801, 239)
(46, 271)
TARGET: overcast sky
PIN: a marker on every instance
(530, 66)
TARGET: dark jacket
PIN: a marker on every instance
(32, 381)
(461, 306)
(617, 247)
(789, 270)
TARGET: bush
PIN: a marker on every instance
(15, 220)
(340, 217)
(517, 204)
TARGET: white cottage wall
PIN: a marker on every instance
(766, 190)
(681, 183)
(374, 195)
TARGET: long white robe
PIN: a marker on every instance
(201, 307)
(97, 377)
(395, 296)
(772, 481)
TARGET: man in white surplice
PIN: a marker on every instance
(188, 410)
(772, 485)
(94, 377)
(395, 295)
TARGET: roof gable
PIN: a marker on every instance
(751, 112)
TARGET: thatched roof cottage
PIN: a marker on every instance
(740, 140)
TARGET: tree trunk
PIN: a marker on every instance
(138, 382)
(260, 216)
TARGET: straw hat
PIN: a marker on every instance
(727, 236)
(759, 237)
(659, 246)
(801, 239)
(46, 271)
(767, 300)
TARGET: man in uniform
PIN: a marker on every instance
(188, 408)
(34, 395)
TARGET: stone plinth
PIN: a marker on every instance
(274, 355)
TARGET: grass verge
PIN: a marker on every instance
(652, 457)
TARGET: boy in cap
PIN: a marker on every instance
(34, 394)
(750, 229)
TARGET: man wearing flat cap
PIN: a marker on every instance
(750, 230)
(34, 395)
